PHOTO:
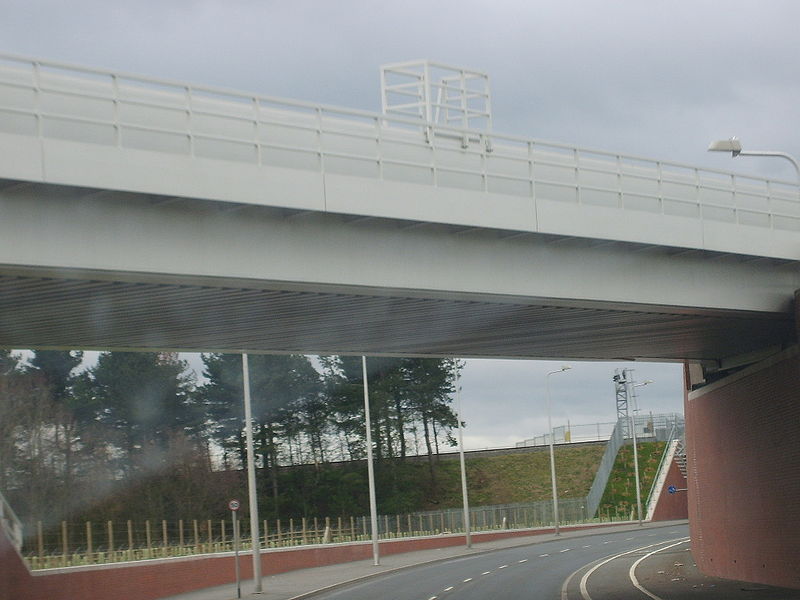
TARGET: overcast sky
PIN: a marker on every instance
(657, 79)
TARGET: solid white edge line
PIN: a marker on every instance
(585, 578)
(632, 571)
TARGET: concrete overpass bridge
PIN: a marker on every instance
(144, 214)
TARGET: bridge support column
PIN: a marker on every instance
(743, 450)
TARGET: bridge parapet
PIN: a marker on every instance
(85, 127)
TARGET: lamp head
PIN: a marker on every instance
(732, 145)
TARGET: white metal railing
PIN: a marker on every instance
(54, 100)
(658, 483)
(10, 523)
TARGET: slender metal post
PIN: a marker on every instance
(236, 554)
(464, 495)
(552, 451)
(251, 477)
(373, 508)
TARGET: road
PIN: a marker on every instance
(555, 569)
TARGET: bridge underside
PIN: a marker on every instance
(80, 309)
(96, 269)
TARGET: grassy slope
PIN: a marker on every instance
(517, 477)
(620, 494)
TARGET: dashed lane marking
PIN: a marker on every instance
(467, 580)
(503, 567)
(564, 550)
(486, 573)
(524, 560)
(447, 589)
(543, 555)
(589, 546)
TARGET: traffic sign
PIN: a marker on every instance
(672, 489)
(234, 505)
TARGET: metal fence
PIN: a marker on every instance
(82, 543)
(566, 434)
(615, 442)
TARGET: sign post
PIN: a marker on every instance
(234, 505)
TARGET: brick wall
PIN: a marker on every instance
(14, 575)
(672, 506)
(149, 580)
(743, 446)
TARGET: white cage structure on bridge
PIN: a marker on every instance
(437, 93)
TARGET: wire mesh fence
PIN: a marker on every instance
(72, 543)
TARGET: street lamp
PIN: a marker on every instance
(552, 453)
(632, 393)
(734, 146)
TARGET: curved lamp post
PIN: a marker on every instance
(734, 146)
(552, 454)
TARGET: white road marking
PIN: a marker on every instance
(606, 542)
(447, 589)
(585, 578)
(467, 580)
(524, 560)
(433, 598)
(632, 570)
(503, 567)
(628, 539)
(564, 550)
(589, 546)
(543, 555)
(486, 573)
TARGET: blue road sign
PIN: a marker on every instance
(672, 489)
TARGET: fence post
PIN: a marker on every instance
(40, 539)
(149, 538)
(266, 534)
(316, 530)
(303, 535)
(196, 537)
(110, 541)
(130, 539)
(410, 532)
(278, 527)
(210, 526)
(89, 545)
(180, 535)
(64, 542)
(291, 532)
(222, 532)
(352, 528)
(164, 535)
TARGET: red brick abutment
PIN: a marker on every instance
(743, 451)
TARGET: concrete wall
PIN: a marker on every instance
(743, 446)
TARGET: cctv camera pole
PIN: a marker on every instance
(629, 388)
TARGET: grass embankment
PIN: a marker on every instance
(523, 477)
(620, 495)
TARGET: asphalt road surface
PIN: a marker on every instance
(559, 569)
